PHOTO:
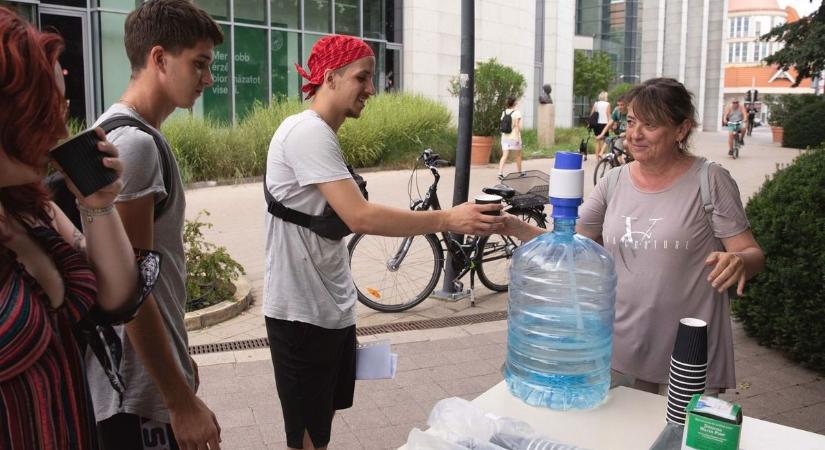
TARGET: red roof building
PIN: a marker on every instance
(743, 52)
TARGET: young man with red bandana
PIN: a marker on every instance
(309, 295)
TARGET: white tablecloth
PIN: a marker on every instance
(630, 419)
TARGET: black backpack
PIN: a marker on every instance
(506, 125)
(593, 120)
(65, 200)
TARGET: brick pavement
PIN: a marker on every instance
(462, 361)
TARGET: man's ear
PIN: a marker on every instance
(157, 57)
(329, 78)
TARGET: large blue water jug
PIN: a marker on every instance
(561, 307)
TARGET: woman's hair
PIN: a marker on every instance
(511, 101)
(32, 117)
(663, 101)
(603, 96)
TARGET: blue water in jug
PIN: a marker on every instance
(561, 307)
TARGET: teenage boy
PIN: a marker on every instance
(169, 44)
(309, 295)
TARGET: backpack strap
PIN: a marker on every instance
(704, 190)
(123, 120)
(612, 180)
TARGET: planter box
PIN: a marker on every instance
(480, 150)
(778, 133)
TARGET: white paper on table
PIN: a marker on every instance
(375, 361)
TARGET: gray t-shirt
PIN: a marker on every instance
(659, 242)
(142, 176)
(307, 277)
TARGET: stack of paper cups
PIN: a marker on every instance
(688, 367)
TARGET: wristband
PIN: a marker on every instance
(89, 214)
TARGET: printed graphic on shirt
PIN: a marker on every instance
(641, 235)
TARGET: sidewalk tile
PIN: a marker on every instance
(365, 419)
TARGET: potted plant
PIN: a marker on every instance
(781, 107)
(493, 83)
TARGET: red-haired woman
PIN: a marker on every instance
(59, 289)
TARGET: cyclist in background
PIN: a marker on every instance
(735, 117)
(751, 117)
(617, 124)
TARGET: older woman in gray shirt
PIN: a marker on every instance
(671, 261)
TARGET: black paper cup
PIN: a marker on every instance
(688, 368)
(691, 346)
(82, 163)
(686, 375)
(485, 199)
(688, 385)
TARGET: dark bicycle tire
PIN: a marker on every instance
(602, 168)
(486, 278)
(382, 297)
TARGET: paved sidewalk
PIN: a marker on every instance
(434, 364)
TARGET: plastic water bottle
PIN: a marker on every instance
(561, 307)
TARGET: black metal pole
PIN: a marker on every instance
(465, 122)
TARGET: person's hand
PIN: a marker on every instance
(729, 269)
(519, 229)
(467, 218)
(195, 425)
(106, 196)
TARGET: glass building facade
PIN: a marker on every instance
(263, 39)
(615, 29)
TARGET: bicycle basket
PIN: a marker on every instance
(532, 188)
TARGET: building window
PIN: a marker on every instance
(756, 48)
(250, 11)
(286, 83)
(251, 84)
(116, 68)
(218, 9)
(125, 5)
(732, 27)
(758, 25)
(286, 14)
(318, 15)
(348, 17)
(217, 104)
(730, 53)
(745, 25)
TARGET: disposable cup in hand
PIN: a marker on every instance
(82, 163)
(485, 199)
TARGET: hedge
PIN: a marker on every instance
(784, 306)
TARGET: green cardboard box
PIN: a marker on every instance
(712, 424)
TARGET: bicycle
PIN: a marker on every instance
(393, 274)
(738, 140)
(614, 158)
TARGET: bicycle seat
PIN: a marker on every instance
(505, 192)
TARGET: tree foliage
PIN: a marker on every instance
(591, 74)
(493, 83)
(804, 45)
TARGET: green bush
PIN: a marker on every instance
(784, 306)
(493, 83)
(210, 270)
(803, 127)
(393, 130)
(617, 91)
(781, 107)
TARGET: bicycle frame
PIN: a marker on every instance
(466, 254)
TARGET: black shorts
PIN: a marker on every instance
(130, 432)
(598, 128)
(314, 374)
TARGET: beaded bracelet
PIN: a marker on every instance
(89, 214)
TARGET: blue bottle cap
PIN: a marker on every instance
(568, 161)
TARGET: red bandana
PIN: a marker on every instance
(331, 52)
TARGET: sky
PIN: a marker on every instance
(804, 7)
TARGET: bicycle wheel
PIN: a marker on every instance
(736, 145)
(393, 274)
(497, 251)
(601, 168)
